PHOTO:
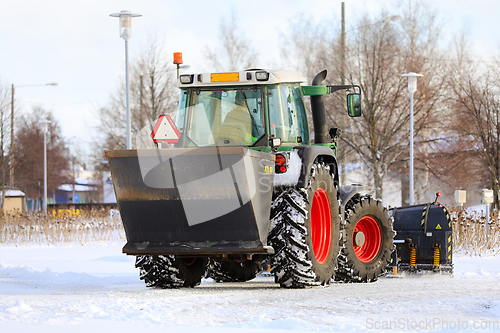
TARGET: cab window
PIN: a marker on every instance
(223, 116)
(300, 113)
(281, 113)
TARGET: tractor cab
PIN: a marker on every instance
(241, 109)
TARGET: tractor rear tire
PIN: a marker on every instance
(169, 271)
(234, 271)
(305, 231)
(367, 242)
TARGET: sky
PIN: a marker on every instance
(76, 44)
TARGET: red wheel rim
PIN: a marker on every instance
(366, 239)
(321, 225)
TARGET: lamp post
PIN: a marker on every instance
(412, 87)
(487, 199)
(12, 126)
(125, 18)
(46, 129)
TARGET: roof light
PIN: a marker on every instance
(186, 78)
(225, 77)
(178, 58)
(262, 76)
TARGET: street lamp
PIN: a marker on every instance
(46, 122)
(12, 126)
(412, 87)
(487, 200)
(392, 18)
(125, 18)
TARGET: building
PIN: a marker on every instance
(84, 189)
(14, 200)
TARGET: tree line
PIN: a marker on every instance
(456, 105)
(28, 172)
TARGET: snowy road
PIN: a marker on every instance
(96, 288)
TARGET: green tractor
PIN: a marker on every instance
(235, 181)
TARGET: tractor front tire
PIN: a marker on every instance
(367, 241)
(305, 231)
(169, 271)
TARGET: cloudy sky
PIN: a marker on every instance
(76, 43)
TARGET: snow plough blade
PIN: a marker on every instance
(200, 201)
(424, 238)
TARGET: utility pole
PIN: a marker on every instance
(342, 156)
(12, 139)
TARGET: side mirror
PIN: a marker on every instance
(354, 105)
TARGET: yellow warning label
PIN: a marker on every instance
(268, 169)
(438, 227)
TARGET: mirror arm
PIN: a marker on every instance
(344, 87)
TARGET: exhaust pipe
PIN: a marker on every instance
(319, 112)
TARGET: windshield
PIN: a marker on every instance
(222, 117)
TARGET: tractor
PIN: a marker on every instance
(234, 181)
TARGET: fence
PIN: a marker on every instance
(70, 225)
(91, 224)
(469, 232)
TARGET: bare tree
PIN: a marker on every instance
(475, 115)
(234, 52)
(152, 93)
(29, 154)
(310, 47)
(377, 53)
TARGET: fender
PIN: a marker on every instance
(347, 192)
(308, 154)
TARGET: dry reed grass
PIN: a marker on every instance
(62, 227)
(469, 232)
(93, 226)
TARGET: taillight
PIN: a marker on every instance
(280, 163)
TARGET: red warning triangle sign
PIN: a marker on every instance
(165, 130)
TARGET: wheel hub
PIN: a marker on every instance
(321, 225)
(359, 239)
(367, 239)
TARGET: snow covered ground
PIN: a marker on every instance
(97, 289)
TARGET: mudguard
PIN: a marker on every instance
(349, 191)
(308, 154)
